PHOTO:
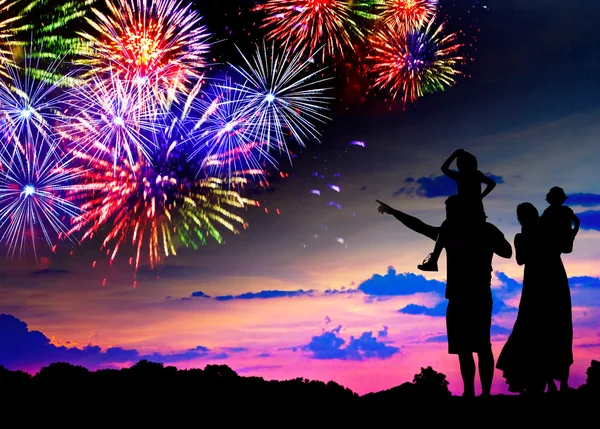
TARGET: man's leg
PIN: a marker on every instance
(467, 372)
(486, 371)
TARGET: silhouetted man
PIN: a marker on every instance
(469, 252)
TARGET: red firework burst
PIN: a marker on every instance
(414, 63)
(308, 25)
(408, 14)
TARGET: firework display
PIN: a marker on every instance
(11, 25)
(408, 14)
(29, 105)
(160, 45)
(33, 204)
(408, 58)
(53, 26)
(308, 25)
(116, 127)
(109, 113)
(222, 135)
(414, 63)
(366, 9)
(282, 98)
(149, 208)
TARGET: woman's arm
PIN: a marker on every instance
(520, 249)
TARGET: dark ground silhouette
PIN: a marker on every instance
(148, 391)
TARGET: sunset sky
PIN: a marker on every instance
(331, 293)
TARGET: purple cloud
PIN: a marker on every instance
(584, 282)
(435, 186)
(392, 284)
(330, 345)
(341, 291)
(267, 294)
(383, 333)
(199, 294)
(437, 311)
(590, 220)
(584, 200)
(21, 348)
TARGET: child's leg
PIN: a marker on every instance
(430, 263)
(564, 382)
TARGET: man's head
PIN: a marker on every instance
(556, 196)
(466, 162)
(454, 209)
(452, 206)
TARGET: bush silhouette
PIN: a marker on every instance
(592, 383)
(62, 373)
(431, 383)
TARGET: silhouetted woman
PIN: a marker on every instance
(540, 347)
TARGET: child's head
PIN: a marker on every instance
(527, 214)
(556, 196)
(466, 162)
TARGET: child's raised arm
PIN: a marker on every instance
(446, 165)
(490, 185)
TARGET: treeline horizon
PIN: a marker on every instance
(221, 379)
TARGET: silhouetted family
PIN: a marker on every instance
(539, 351)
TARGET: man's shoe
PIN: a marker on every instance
(428, 264)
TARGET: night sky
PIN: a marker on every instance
(331, 293)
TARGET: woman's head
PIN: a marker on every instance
(527, 214)
(466, 162)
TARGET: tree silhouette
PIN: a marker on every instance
(220, 372)
(15, 379)
(432, 383)
(62, 373)
(592, 383)
(153, 387)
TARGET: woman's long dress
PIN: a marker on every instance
(540, 347)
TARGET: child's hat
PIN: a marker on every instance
(557, 192)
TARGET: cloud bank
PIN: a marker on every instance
(329, 345)
(434, 186)
(21, 348)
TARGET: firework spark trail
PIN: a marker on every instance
(52, 26)
(366, 9)
(149, 210)
(416, 63)
(158, 44)
(107, 113)
(11, 24)
(282, 99)
(308, 25)
(29, 107)
(407, 14)
(223, 137)
(33, 186)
